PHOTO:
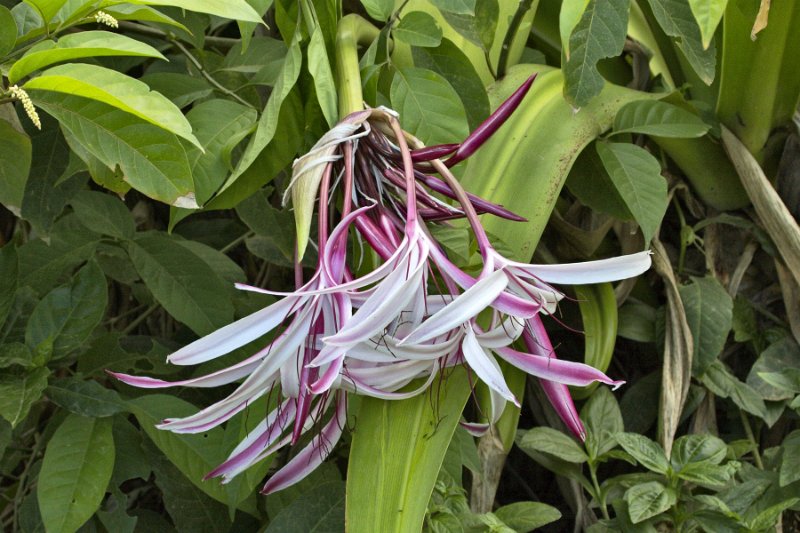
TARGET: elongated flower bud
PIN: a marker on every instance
(27, 104)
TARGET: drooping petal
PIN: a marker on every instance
(550, 368)
(485, 366)
(503, 334)
(613, 269)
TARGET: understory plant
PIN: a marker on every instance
(345, 237)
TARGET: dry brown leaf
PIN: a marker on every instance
(761, 19)
(776, 218)
(678, 349)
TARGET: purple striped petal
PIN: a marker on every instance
(613, 269)
(550, 368)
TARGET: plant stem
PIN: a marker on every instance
(353, 30)
(513, 27)
(601, 499)
(138, 320)
(751, 437)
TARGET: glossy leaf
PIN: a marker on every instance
(180, 89)
(600, 33)
(104, 213)
(527, 516)
(429, 106)
(462, 7)
(8, 31)
(319, 509)
(708, 14)
(697, 449)
(15, 165)
(182, 282)
(153, 160)
(568, 17)
(645, 451)
(709, 312)
(380, 10)
(719, 380)
(418, 28)
(602, 419)
(647, 500)
(652, 117)
(790, 462)
(47, 8)
(230, 9)
(117, 90)
(676, 19)
(637, 176)
(780, 361)
(19, 391)
(85, 398)
(75, 472)
(553, 442)
(76, 46)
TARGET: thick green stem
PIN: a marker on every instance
(513, 28)
(353, 30)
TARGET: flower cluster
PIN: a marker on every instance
(22, 95)
(101, 17)
(348, 329)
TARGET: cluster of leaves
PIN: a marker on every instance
(154, 184)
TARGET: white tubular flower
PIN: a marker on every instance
(27, 104)
(104, 18)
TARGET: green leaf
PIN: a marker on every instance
(9, 266)
(676, 19)
(461, 7)
(180, 89)
(553, 442)
(637, 176)
(181, 282)
(320, 68)
(16, 354)
(709, 312)
(153, 160)
(708, 14)
(647, 500)
(602, 419)
(647, 452)
(85, 398)
(600, 33)
(418, 28)
(117, 90)
(141, 14)
(719, 380)
(396, 454)
(47, 8)
(781, 357)
(428, 105)
(452, 64)
(478, 27)
(697, 449)
(527, 516)
(229, 9)
(19, 391)
(380, 10)
(15, 165)
(591, 184)
(220, 125)
(319, 509)
(790, 460)
(709, 475)
(652, 117)
(76, 469)
(568, 17)
(76, 46)
(67, 315)
(8, 31)
(104, 212)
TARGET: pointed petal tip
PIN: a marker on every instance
(616, 384)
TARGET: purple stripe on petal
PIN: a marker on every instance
(550, 368)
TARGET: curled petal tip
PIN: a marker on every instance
(617, 384)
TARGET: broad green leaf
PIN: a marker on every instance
(194, 455)
(9, 281)
(129, 354)
(709, 475)
(637, 321)
(326, 473)
(76, 46)
(591, 184)
(85, 398)
(553, 442)
(527, 516)
(783, 358)
(319, 509)
(18, 391)
(709, 312)
(644, 450)
(708, 14)
(719, 380)
(602, 419)
(418, 28)
(766, 519)
(478, 27)
(106, 214)
(229, 9)
(153, 160)
(637, 176)
(15, 165)
(47, 9)
(67, 315)
(652, 117)
(697, 449)
(117, 90)
(42, 267)
(428, 105)
(116, 518)
(262, 60)
(790, 460)
(141, 13)
(396, 454)
(181, 282)
(180, 89)
(568, 17)
(452, 64)
(599, 34)
(786, 380)
(8, 31)
(220, 125)
(75, 472)
(461, 7)
(246, 29)
(380, 10)
(676, 19)
(131, 461)
(647, 500)
(268, 122)
(320, 68)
